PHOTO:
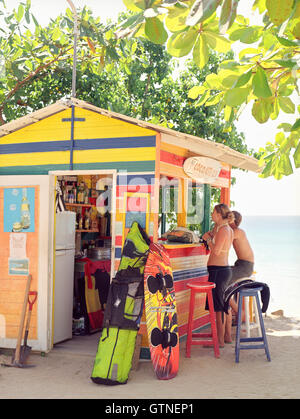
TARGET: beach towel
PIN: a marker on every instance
(248, 283)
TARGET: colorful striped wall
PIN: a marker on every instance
(188, 262)
(100, 142)
(133, 188)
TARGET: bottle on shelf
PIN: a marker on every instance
(80, 193)
(74, 190)
(71, 197)
(86, 220)
(80, 222)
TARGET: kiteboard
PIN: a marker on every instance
(161, 314)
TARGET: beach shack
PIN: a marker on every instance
(148, 173)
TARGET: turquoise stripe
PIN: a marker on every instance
(140, 166)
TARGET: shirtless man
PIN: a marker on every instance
(243, 267)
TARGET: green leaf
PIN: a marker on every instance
(236, 96)
(175, 20)
(285, 126)
(286, 63)
(201, 52)
(276, 109)
(20, 13)
(267, 171)
(228, 14)
(213, 81)
(286, 42)
(260, 84)
(134, 5)
(195, 91)
(297, 156)
(296, 125)
(243, 79)
(285, 90)
(286, 104)
(279, 10)
(284, 165)
(228, 114)
(279, 138)
(217, 42)
(180, 44)
(203, 98)
(247, 35)
(155, 31)
(261, 110)
(213, 100)
(201, 10)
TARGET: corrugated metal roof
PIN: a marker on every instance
(192, 143)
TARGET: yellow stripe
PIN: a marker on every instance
(117, 154)
(172, 170)
(28, 159)
(48, 129)
(83, 156)
(100, 126)
(95, 125)
(179, 151)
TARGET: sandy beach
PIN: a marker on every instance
(65, 372)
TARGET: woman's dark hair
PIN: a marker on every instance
(237, 218)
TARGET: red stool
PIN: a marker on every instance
(202, 287)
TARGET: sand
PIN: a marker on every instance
(65, 372)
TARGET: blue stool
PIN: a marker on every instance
(250, 292)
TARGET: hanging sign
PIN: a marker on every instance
(202, 169)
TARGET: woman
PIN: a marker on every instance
(219, 242)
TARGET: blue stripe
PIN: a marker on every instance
(118, 252)
(87, 144)
(189, 274)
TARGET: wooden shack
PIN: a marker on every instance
(75, 138)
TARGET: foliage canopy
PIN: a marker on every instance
(265, 73)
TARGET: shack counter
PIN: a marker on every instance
(150, 179)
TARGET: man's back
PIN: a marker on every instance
(241, 245)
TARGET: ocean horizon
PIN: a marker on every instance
(275, 241)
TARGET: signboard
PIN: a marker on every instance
(202, 169)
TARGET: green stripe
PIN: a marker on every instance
(140, 166)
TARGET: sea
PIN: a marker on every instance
(275, 241)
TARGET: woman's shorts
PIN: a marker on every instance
(221, 276)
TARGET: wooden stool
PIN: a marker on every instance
(250, 292)
(251, 321)
(197, 338)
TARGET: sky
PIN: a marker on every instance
(252, 195)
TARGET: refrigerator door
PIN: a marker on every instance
(63, 294)
(65, 230)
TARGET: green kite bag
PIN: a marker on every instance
(123, 312)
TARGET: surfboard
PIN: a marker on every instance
(161, 314)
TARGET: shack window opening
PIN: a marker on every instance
(168, 203)
(195, 207)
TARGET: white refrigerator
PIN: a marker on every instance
(64, 275)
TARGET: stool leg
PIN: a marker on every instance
(190, 325)
(257, 322)
(212, 316)
(262, 328)
(246, 300)
(238, 329)
(251, 308)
